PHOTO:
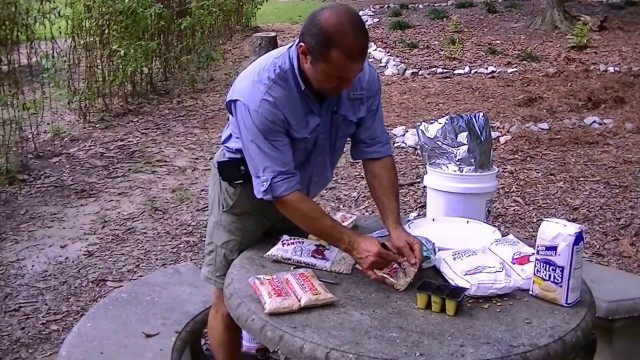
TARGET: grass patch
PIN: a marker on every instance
(395, 12)
(180, 195)
(452, 46)
(631, 3)
(410, 45)
(492, 51)
(512, 5)
(399, 25)
(528, 56)
(490, 7)
(286, 12)
(464, 4)
(455, 25)
(403, 6)
(437, 14)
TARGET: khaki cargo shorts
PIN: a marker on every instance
(237, 221)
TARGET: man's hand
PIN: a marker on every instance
(368, 253)
(406, 245)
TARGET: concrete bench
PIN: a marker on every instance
(617, 327)
(141, 319)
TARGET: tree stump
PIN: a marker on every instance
(261, 43)
(551, 14)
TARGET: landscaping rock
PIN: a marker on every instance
(631, 127)
(495, 135)
(504, 139)
(543, 126)
(399, 131)
(591, 120)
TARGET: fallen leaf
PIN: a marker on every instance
(113, 284)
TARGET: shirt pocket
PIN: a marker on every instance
(344, 120)
(303, 135)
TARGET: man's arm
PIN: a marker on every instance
(382, 180)
(269, 156)
(372, 145)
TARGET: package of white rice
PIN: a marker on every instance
(306, 287)
(517, 257)
(275, 296)
(311, 253)
(477, 270)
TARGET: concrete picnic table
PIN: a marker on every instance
(374, 321)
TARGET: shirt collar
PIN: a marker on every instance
(293, 56)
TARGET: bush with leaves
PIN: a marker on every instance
(118, 52)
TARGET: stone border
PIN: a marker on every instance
(407, 137)
(392, 66)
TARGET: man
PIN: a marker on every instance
(290, 115)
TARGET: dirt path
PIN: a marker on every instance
(128, 197)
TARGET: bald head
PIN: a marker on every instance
(336, 26)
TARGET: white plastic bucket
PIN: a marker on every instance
(250, 344)
(465, 195)
(454, 233)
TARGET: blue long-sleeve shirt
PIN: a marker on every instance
(290, 141)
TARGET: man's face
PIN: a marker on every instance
(332, 75)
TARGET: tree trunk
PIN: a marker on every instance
(551, 14)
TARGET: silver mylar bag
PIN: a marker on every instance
(457, 143)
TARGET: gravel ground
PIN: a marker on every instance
(116, 200)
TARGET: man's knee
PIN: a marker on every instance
(218, 308)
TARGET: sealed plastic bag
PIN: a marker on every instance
(517, 258)
(275, 297)
(306, 287)
(311, 253)
(477, 270)
(399, 274)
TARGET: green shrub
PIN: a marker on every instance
(410, 45)
(455, 25)
(579, 38)
(395, 12)
(528, 56)
(490, 7)
(399, 25)
(437, 14)
(452, 46)
(464, 4)
(512, 5)
(492, 51)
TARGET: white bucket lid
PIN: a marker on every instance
(454, 233)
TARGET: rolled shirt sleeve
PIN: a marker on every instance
(371, 140)
(266, 149)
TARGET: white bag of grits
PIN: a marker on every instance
(477, 270)
(557, 269)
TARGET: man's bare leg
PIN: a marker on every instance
(225, 336)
